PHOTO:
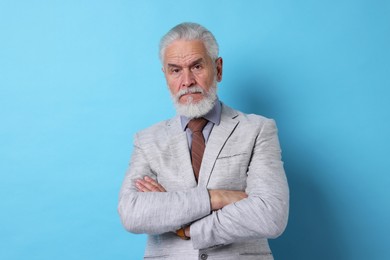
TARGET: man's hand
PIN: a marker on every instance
(147, 184)
(221, 198)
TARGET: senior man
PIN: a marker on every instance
(208, 183)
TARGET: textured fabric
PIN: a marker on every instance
(197, 147)
(242, 153)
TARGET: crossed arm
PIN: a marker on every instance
(217, 217)
(218, 198)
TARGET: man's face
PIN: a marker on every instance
(187, 65)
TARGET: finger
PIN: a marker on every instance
(149, 186)
(243, 194)
(140, 187)
(148, 179)
(157, 185)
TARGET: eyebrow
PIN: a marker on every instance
(191, 64)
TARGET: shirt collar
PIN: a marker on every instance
(214, 116)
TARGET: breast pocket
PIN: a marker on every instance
(230, 172)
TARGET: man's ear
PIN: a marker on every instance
(219, 65)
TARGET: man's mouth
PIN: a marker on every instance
(191, 93)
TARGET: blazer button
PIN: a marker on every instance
(203, 256)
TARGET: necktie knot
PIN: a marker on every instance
(197, 124)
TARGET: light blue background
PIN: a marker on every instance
(79, 78)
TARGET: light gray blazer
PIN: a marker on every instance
(242, 153)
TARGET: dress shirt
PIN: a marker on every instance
(213, 117)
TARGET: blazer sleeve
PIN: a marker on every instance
(157, 212)
(264, 213)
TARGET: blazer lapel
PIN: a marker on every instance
(180, 152)
(218, 137)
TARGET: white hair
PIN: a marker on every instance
(189, 32)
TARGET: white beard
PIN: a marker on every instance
(196, 109)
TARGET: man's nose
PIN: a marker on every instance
(188, 78)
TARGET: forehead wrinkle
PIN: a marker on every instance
(184, 60)
(189, 63)
(180, 53)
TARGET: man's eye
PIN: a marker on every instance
(197, 67)
(175, 71)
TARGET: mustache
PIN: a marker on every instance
(193, 89)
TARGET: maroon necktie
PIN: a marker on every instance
(198, 144)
